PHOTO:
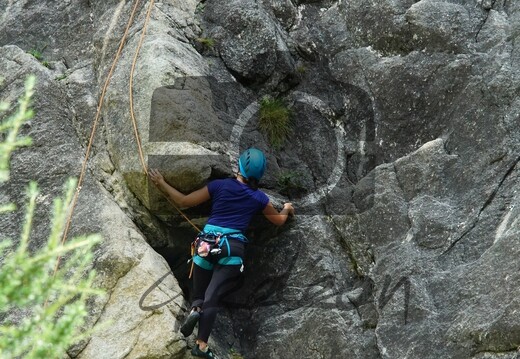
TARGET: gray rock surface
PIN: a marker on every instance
(251, 43)
(127, 266)
(405, 142)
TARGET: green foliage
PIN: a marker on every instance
(43, 306)
(206, 41)
(61, 77)
(10, 128)
(289, 183)
(200, 8)
(37, 54)
(275, 120)
(27, 282)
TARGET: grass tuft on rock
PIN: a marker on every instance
(274, 120)
(206, 41)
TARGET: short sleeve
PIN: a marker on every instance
(214, 186)
(264, 200)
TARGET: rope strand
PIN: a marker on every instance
(132, 114)
(93, 131)
(131, 87)
(98, 116)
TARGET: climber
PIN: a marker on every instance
(234, 202)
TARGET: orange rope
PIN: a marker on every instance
(192, 251)
(94, 127)
(184, 216)
(98, 115)
(132, 115)
(131, 87)
(136, 131)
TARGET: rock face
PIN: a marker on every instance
(402, 165)
(127, 266)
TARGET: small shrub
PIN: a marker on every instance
(275, 120)
(53, 300)
(54, 303)
(206, 41)
(36, 54)
(234, 354)
(200, 8)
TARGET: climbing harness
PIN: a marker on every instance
(211, 244)
(208, 244)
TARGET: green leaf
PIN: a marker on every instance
(12, 125)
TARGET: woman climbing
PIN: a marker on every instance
(221, 244)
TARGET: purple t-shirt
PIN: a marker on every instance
(234, 203)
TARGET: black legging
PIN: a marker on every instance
(210, 286)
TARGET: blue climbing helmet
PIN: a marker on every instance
(252, 163)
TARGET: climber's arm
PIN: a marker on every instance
(180, 199)
(275, 217)
(195, 198)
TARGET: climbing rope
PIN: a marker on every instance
(132, 114)
(98, 116)
(136, 131)
(92, 135)
(94, 127)
(131, 88)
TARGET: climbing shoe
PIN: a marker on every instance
(202, 354)
(189, 324)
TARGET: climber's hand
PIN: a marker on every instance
(156, 177)
(289, 208)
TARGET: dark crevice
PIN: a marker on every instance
(484, 206)
(493, 194)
